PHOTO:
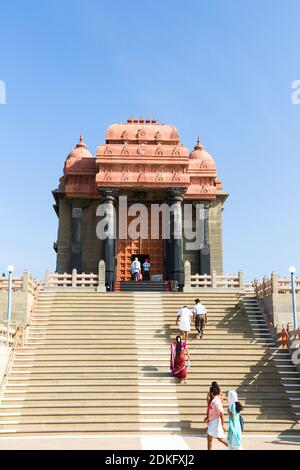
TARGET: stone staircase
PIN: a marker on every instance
(99, 363)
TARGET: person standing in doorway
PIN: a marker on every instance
(199, 317)
(135, 269)
(184, 318)
(146, 269)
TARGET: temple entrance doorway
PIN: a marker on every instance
(129, 249)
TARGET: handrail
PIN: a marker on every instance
(18, 337)
(263, 305)
(29, 318)
(36, 296)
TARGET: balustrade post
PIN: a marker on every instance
(214, 279)
(46, 278)
(101, 276)
(256, 287)
(274, 281)
(265, 281)
(74, 277)
(187, 274)
(25, 281)
(241, 280)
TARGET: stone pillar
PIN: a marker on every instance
(76, 259)
(204, 252)
(109, 247)
(166, 260)
(176, 242)
(215, 233)
(64, 236)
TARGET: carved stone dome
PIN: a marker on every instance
(80, 151)
(200, 159)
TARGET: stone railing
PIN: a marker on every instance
(275, 285)
(7, 333)
(24, 292)
(25, 283)
(13, 338)
(214, 280)
(71, 280)
(75, 280)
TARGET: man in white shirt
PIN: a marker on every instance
(135, 269)
(199, 317)
(184, 319)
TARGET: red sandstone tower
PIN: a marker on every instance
(145, 162)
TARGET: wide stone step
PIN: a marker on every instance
(152, 347)
(183, 393)
(140, 326)
(46, 342)
(126, 403)
(152, 344)
(208, 376)
(149, 426)
(72, 379)
(155, 389)
(200, 354)
(143, 332)
(7, 423)
(146, 365)
(229, 306)
(146, 320)
(252, 412)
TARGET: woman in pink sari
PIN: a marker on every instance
(177, 361)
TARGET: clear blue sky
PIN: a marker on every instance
(222, 69)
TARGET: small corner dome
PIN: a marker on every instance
(80, 151)
(199, 157)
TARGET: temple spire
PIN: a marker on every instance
(198, 145)
(81, 143)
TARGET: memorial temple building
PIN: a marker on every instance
(89, 350)
(146, 162)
